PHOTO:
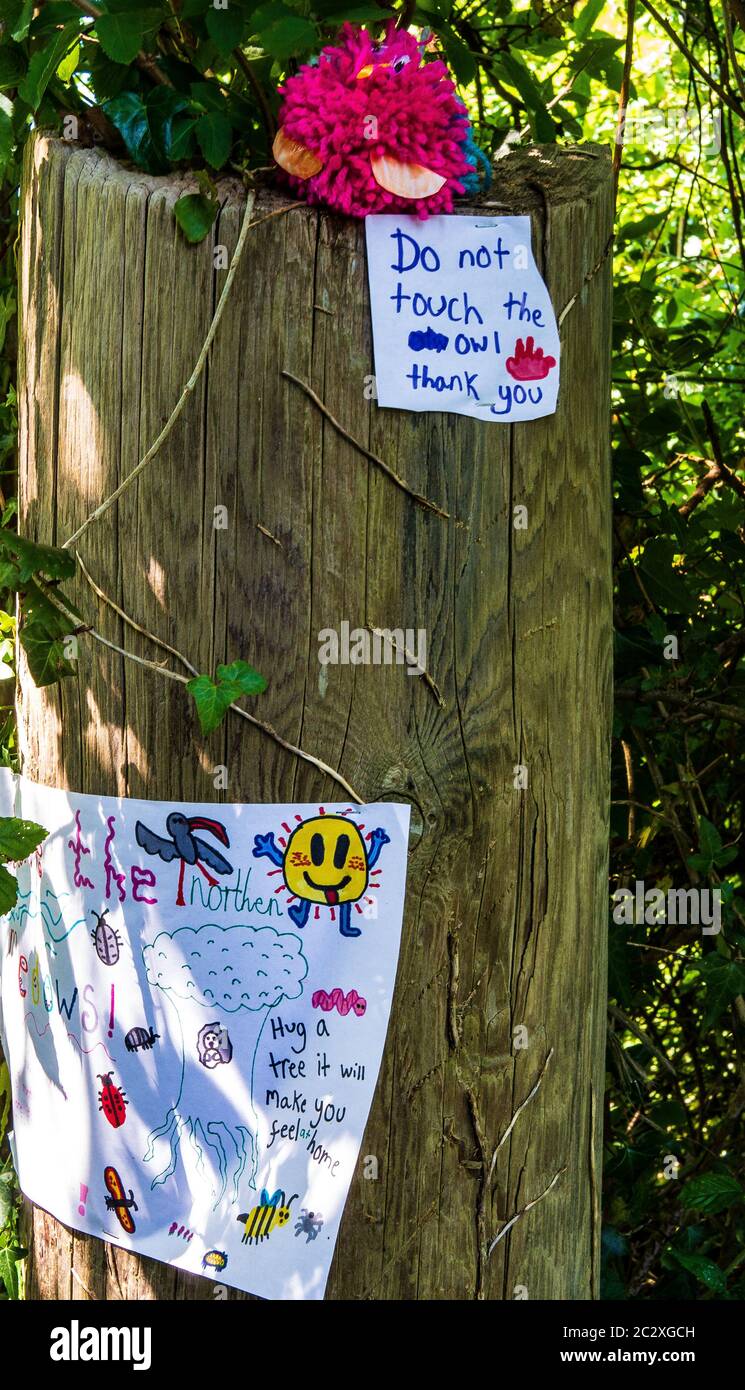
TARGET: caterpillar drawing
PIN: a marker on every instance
(344, 1003)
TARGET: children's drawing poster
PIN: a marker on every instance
(194, 1005)
(462, 320)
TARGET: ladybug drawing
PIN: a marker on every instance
(106, 939)
(137, 1038)
(112, 1100)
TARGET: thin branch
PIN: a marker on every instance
(199, 367)
(529, 1207)
(410, 658)
(416, 496)
(136, 627)
(258, 91)
(690, 703)
(518, 1113)
(731, 48)
(623, 96)
(163, 670)
(710, 81)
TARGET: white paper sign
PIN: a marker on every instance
(462, 320)
(194, 1005)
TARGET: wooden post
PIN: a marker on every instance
(503, 959)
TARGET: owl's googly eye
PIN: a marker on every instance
(399, 64)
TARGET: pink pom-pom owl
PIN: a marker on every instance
(372, 127)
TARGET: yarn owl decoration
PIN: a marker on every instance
(373, 127)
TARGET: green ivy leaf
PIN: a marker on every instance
(225, 28)
(195, 214)
(7, 136)
(27, 558)
(129, 114)
(8, 892)
(666, 584)
(289, 38)
(12, 67)
(215, 135)
(213, 698)
(9, 1257)
(244, 679)
(724, 980)
(43, 628)
(18, 838)
(44, 63)
(122, 35)
(703, 1268)
(20, 19)
(5, 1099)
(711, 1193)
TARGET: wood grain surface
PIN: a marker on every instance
(505, 925)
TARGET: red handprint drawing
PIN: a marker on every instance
(529, 363)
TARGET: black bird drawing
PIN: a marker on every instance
(186, 846)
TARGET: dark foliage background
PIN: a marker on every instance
(188, 82)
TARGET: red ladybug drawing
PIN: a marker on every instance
(112, 1101)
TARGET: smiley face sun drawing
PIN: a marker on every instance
(324, 861)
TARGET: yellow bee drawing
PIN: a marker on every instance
(271, 1211)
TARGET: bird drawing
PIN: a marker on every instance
(377, 127)
(187, 847)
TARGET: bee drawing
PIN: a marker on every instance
(261, 1220)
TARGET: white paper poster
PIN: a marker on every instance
(462, 320)
(194, 1005)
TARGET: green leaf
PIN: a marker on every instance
(9, 1257)
(12, 67)
(289, 38)
(724, 980)
(122, 35)
(182, 139)
(43, 629)
(215, 135)
(8, 891)
(213, 698)
(129, 114)
(7, 136)
(195, 214)
(212, 701)
(711, 1193)
(704, 1269)
(18, 838)
(22, 14)
(69, 64)
(164, 107)
(666, 583)
(589, 13)
(242, 677)
(28, 558)
(225, 28)
(44, 63)
(710, 841)
(5, 1099)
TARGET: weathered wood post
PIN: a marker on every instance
(503, 958)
